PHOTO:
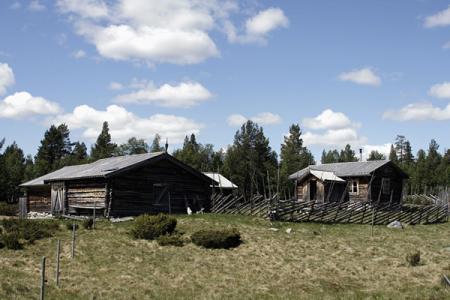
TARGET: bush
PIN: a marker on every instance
(11, 240)
(8, 209)
(69, 226)
(30, 230)
(413, 258)
(88, 223)
(217, 239)
(150, 227)
(170, 240)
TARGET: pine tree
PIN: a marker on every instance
(156, 144)
(103, 147)
(433, 161)
(393, 155)
(79, 153)
(293, 157)
(375, 155)
(332, 156)
(347, 155)
(54, 148)
(250, 162)
(133, 146)
(14, 167)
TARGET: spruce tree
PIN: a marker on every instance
(375, 155)
(156, 144)
(133, 146)
(347, 154)
(14, 167)
(103, 147)
(393, 155)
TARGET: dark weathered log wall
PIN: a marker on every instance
(86, 194)
(160, 187)
(39, 199)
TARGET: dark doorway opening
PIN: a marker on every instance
(312, 190)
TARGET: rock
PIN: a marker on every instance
(118, 220)
(189, 211)
(34, 215)
(289, 230)
(395, 224)
(273, 229)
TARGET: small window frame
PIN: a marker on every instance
(386, 186)
(354, 187)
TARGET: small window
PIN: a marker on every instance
(354, 187)
(386, 186)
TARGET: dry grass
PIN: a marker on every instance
(313, 262)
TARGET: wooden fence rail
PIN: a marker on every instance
(364, 212)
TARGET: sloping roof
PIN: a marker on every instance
(100, 168)
(347, 169)
(221, 181)
(325, 175)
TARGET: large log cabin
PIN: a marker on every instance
(376, 181)
(121, 186)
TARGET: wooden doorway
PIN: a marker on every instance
(57, 198)
(312, 189)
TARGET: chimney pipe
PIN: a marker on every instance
(360, 154)
(167, 145)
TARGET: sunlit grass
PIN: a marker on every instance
(314, 261)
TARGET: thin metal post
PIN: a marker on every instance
(41, 295)
(58, 248)
(73, 240)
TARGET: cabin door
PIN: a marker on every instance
(57, 198)
(312, 190)
(162, 199)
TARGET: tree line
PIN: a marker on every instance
(249, 161)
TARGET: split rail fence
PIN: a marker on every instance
(364, 212)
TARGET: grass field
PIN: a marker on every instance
(314, 261)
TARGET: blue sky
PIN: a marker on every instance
(357, 72)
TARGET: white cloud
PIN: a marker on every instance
(22, 104)
(327, 119)
(258, 27)
(337, 137)
(442, 18)
(115, 86)
(161, 31)
(36, 6)
(79, 54)
(419, 112)
(365, 76)
(332, 128)
(6, 77)
(236, 120)
(184, 94)
(446, 45)
(124, 124)
(441, 90)
(383, 149)
(264, 118)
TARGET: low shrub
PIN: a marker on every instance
(8, 209)
(88, 224)
(170, 240)
(30, 230)
(69, 226)
(11, 240)
(217, 239)
(150, 227)
(413, 258)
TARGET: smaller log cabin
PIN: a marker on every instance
(121, 186)
(224, 186)
(376, 181)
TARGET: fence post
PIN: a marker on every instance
(93, 220)
(41, 296)
(58, 248)
(73, 240)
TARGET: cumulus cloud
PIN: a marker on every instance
(36, 6)
(6, 77)
(79, 54)
(160, 31)
(336, 137)
(419, 112)
(124, 124)
(264, 118)
(384, 149)
(327, 119)
(258, 27)
(22, 104)
(441, 90)
(331, 128)
(442, 18)
(115, 86)
(184, 94)
(365, 76)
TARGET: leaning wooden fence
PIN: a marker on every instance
(364, 212)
